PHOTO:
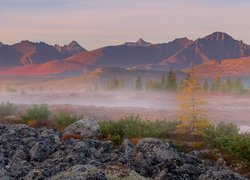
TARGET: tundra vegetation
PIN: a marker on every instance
(187, 135)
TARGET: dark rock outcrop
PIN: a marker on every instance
(27, 153)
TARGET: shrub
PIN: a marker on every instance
(7, 109)
(226, 138)
(117, 139)
(134, 127)
(63, 119)
(38, 124)
(179, 147)
(36, 112)
(219, 136)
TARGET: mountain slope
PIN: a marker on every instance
(130, 54)
(217, 46)
(50, 68)
(227, 67)
(9, 56)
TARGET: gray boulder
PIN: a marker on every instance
(87, 128)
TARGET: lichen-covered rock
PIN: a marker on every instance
(81, 172)
(4, 175)
(48, 141)
(159, 159)
(88, 128)
(121, 172)
(150, 156)
(34, 154)
(223, 174)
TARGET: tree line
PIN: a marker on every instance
(226, 86)
(170, 82)
(167, 82)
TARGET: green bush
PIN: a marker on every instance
(7, 109)
(117, 139)
(63, 119)
(111, 128)
(226, 137)
(179, 147)
(36, 112)
(133, 126)
(220, 134)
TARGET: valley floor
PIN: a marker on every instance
(115, 105)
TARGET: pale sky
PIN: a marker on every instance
(98, 23)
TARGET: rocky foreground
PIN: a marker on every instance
(27, 153)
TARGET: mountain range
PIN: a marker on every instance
(217, 46)
(27, 53)
(216, 52)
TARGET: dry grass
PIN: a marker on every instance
(39, 124)
(135, 140)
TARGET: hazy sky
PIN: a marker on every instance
(96, 23)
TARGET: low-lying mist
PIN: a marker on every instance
(152, 105)
(154, 100)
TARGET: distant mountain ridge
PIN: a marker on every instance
(217, 46)
(130, 54)
(205, 53)
(27, 52)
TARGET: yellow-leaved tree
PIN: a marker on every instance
(192, 114)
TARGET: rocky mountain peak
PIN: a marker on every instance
(74, 43)
(219, 36)
(74, 46)
(71, 49)
(140, 42)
